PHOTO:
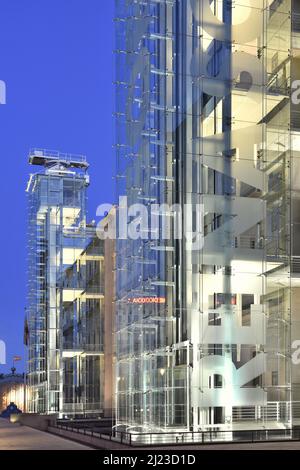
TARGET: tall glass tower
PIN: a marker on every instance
(206, 335)
(56, 237)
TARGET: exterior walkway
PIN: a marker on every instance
(291, 445)
(17, 437)
(108, 445)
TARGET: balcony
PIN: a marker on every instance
(72, 349)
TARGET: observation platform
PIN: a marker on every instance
(43, 157)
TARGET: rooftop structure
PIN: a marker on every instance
(43, 157)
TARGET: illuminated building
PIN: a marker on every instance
(12, 390)
(82, 332)
(86, 298)
(204, 117)
(109, 317)
(70, 294)
(57, 235)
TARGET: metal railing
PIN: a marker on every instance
(87, 408)
(55, 154)
(187, 438)
(82, 346)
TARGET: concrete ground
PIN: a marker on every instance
(17, 437)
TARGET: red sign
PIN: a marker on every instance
(147, 300)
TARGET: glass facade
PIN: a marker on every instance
(70, 311)
(205, 119)
(56, 236)
(82, 332)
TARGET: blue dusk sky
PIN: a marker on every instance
(56, 58)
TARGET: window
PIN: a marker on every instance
(215, 381)
(274, 377)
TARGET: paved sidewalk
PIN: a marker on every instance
(17, 437)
